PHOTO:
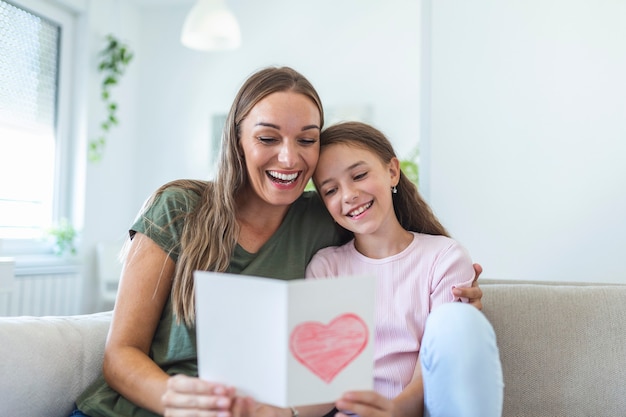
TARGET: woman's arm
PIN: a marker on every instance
(144, 287)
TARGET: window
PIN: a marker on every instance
(35, 72)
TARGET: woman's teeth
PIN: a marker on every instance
(283, 177)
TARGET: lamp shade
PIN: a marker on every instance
(210, 25)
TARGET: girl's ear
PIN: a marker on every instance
(394, 171)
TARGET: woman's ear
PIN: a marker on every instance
(394, 171)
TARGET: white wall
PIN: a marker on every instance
(105, 189)
(527, 134)
(355, 52)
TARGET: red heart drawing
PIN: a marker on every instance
(327, 350)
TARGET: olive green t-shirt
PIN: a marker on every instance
(307, 227)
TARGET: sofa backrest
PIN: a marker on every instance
(46, 362)
(562, 347)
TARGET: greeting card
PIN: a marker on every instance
(286, 343)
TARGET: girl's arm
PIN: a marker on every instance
(409, 403)
(318, 410)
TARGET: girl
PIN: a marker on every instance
(397, 238)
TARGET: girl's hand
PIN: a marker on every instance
(473, 293)
(365, 404)
(186, 396)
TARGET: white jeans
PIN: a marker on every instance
(461, 364)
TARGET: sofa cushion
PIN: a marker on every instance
(52, 360)
(563, 348)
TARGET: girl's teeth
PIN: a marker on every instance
(360, 210)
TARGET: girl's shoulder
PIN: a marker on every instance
(336, 252)
(438, 243)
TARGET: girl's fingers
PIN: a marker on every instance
(243, 407)
(365, 404)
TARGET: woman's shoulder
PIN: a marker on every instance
(310, 206)
(180, 193)
(170, 201)
(184, 187)
(310, 198)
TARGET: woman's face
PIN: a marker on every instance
(280, 144)
(356, 187)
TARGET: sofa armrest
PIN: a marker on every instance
(46, 362)
(561, 346)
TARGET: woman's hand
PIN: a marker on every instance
(473, 293)
(365, 404)
(187, 396)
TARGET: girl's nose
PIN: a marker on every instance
(350, 194)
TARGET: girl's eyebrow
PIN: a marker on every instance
(351, 167)
(273, 126)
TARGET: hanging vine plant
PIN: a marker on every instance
(114, 61)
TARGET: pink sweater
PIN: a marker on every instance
(410, 285)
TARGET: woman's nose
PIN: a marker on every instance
(287, 155)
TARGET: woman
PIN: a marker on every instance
(253, 219)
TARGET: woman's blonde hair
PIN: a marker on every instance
(412, 211)
(210, 231)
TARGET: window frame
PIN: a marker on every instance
(64, 193)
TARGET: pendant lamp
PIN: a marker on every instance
(210, 26)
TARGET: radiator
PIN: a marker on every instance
(43, 292)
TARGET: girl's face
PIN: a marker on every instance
(356, 187)
(280, 144)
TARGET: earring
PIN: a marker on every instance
(394, 190)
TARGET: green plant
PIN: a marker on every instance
(115, 58)
(64, 236)
(410, 167)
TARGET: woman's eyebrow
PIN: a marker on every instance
(274, 126)
(268, 125)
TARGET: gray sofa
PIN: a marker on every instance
(562, 346)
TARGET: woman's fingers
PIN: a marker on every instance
(193, 396)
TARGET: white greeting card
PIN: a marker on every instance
(286, 343)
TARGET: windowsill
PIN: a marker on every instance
(34, 257)
(45, 264)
